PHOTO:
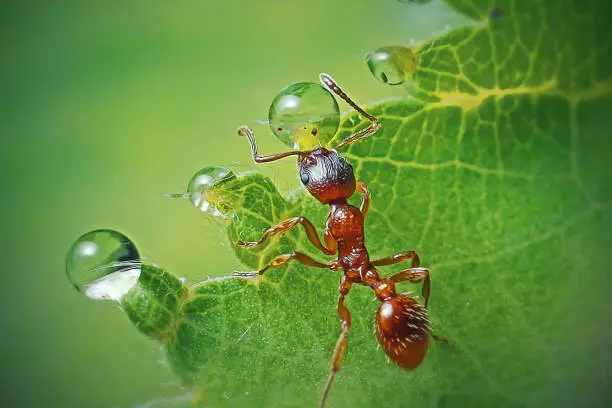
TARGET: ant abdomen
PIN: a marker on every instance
(403, 330)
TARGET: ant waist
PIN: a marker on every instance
(364, 274)
(354, 257)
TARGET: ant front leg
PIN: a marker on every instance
(362, 189)
(285, 226)
(345, 317)
(281, 260)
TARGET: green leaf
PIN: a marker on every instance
(153, 305)
(499, 177)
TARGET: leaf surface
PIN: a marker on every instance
(499, 176)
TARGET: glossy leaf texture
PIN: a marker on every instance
(499, 176)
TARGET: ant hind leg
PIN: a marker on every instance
(399, 257)
(415, 275)
(345, 317)
(440, 339)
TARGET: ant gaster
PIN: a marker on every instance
(402, 327)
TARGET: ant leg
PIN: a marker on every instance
(345, 317)
(399, 257)
(335, 88)
(365, 197)
(415, 275)
(281, 260)
(330, 241)
(285, 226)
(246, 131)
(440, 339)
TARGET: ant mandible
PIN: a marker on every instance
(402, 327)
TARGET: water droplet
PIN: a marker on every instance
(304, 115)
(103, 264)
(392, 65)
(205, 192)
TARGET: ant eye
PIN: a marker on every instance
(300, 108)
(305, 178)
(392, 65)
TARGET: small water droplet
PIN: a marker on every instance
(204, 190)
(392, 65)
(304, 115)
(103, 264)
(207, 193)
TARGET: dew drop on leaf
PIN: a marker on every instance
(205, 190)
(304, 115)
(392, 65)
(103, 264)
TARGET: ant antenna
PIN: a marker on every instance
(329, 82)
(246, 131)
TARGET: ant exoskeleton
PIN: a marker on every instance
(402, 327)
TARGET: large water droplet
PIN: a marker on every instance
(205, 190)
(103, 264)
(392, 65)
(304, 115)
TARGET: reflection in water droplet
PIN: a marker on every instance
(392, 65)
(103, 264)
(205, 193)
(304, 115)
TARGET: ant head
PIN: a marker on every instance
(402, 330)
(326, 175)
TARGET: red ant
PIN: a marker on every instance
(402, 327)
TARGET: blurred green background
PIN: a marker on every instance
(107, 105)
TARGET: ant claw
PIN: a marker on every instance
(441, 339)
(240, 274)
(247, 245)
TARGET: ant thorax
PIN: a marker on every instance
(326, 175)
(304, 116)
